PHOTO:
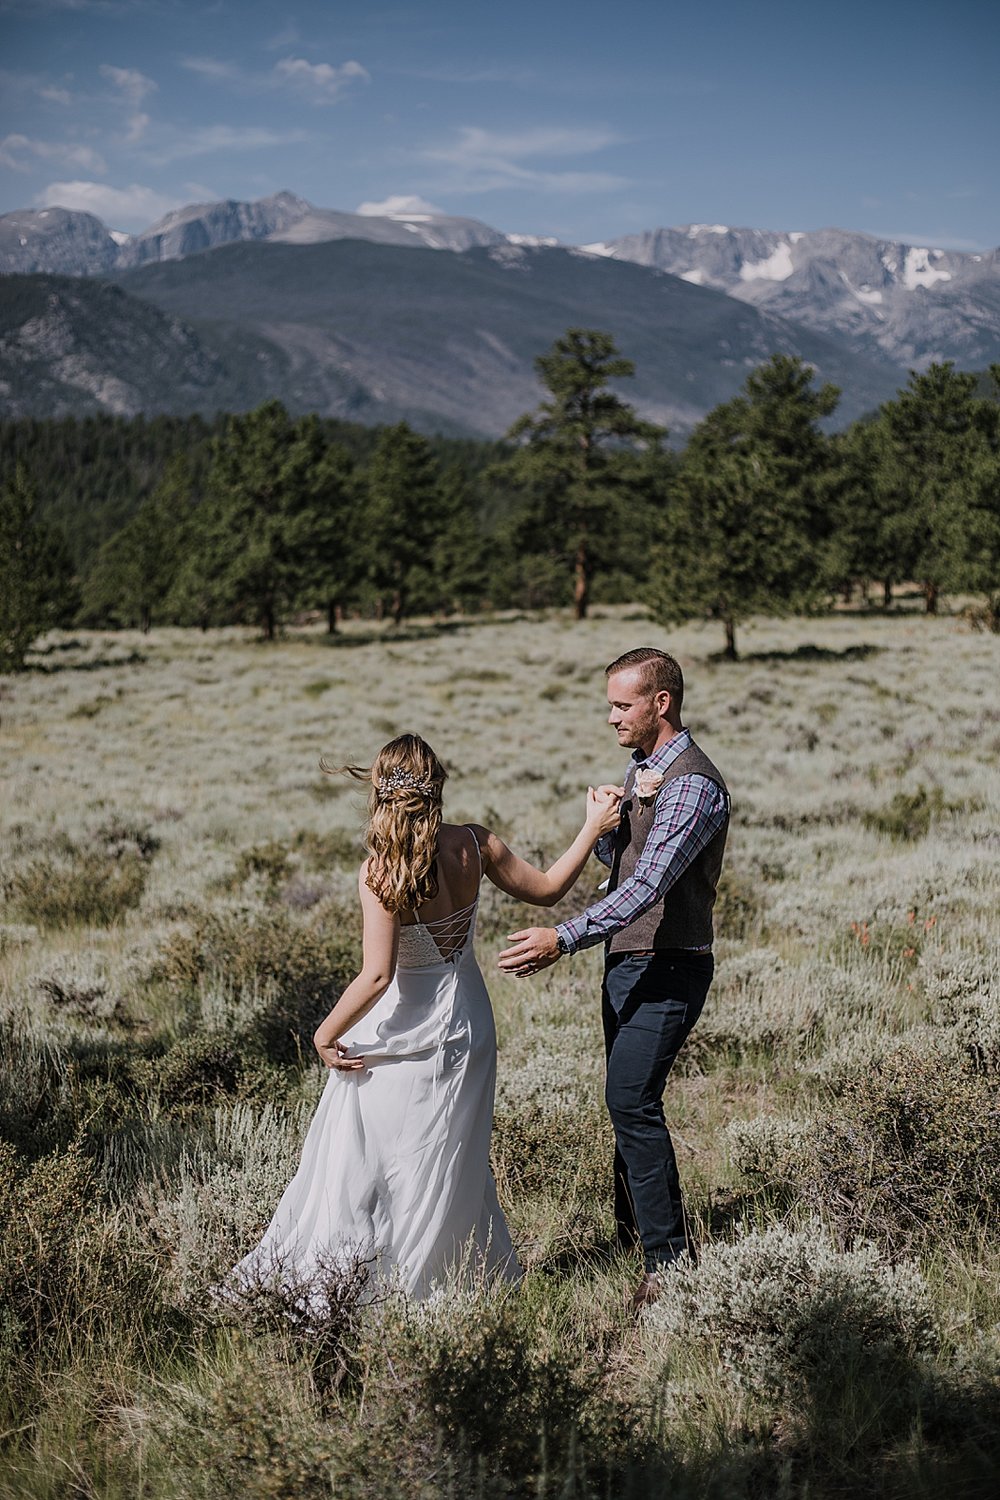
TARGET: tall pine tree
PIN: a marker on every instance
(575, 461)
(747, 525)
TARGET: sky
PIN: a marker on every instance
(568, 118)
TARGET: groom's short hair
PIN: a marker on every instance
(660, 672)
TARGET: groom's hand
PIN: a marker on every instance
(535, 948)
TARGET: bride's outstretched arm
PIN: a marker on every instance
(381, 942)
(545, 887)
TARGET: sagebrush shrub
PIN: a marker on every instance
(908, 815)
(93, 882)
(85, 887)
(784, 1309)
(906, 1150)
(300, 965)
(212, 1208)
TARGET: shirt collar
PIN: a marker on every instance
(666, 755)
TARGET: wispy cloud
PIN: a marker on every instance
(212, 67)
(54, 95)
(488, 160)
(20, 151)
(129, 208)
(133, 87)
(203, 140)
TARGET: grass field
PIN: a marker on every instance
(180, 904)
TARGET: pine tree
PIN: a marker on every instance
(573, 463)
(401, 520)
(254, 538)
(37, 589)
(130, 580)
(933, 444)
(747, 530)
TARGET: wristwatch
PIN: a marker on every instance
(561, 943)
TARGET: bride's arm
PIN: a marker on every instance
(545, 887)
(381, 941)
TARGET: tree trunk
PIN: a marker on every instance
(931, 598)
(146, 620)
(269, 622)
(397, 606)
(887, 593)
(731, 653)
(334, 614)
(847, 592)
(581, 584)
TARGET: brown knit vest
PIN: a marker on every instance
(683, 919)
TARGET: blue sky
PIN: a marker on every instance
(579, 120)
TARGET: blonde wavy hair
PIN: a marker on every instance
(404, 820)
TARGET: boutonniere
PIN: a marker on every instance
(647, 783)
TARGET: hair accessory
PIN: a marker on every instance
(400, 778)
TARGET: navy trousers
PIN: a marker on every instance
(649, 1004)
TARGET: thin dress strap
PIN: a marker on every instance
(479, 852)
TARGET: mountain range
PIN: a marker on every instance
(218, 306)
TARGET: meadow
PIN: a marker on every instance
(179, 907)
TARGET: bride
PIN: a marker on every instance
(395, 1167)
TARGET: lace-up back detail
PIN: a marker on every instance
(443, 939)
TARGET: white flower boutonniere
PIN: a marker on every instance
(647, 784)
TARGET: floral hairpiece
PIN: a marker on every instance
(400, 778)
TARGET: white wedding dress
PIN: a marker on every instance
(395, 1168)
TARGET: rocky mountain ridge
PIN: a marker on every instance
(884, 299)
(912, 303)
(376, 333)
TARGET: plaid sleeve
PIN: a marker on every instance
(690, 812)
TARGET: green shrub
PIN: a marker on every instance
(64, 1265)
(739, 907)
(95, 882)
(475, 1395)
(88, 887)
(906, 1150)
(300, 966)
(908, 816)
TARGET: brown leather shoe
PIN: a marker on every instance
(647, 1292)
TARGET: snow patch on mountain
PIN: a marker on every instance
(777, 267)
(695, 229)
(597, 248)
(918, 271)
(546, 241)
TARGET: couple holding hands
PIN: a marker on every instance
(395, 1167)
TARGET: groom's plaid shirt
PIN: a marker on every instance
(689, 812)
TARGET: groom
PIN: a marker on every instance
(656, 922)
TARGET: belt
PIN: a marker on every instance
(665, 952)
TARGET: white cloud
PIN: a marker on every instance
(322, 81)
(55, 95)
(133, 87)
(16, 149)
(131, 208)
(487, 160)
(399, 204)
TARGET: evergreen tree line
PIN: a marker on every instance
(259, 517)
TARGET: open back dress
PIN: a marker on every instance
(395, 1167)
